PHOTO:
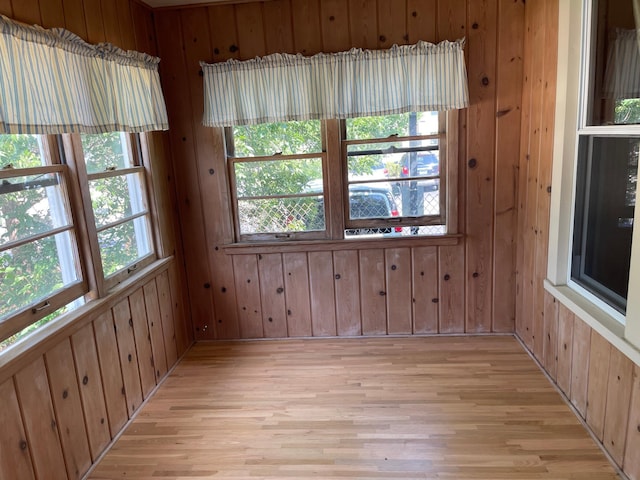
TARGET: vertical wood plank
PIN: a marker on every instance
(224, 295)
(335, 25)
(508, 109)
(128, 355)
(363, 23)
(68, 408)
(248, 295)
(480, 175)
(392, 23)
(565, 349)
(579, 360)
(372, 292)
(632, 447)
(550, 347)
(451, 306)
(599, 355)
(144, 28)
(91, 392)
(166, 315)
(398, 288)
(111, 22)
(307, 37)
(323, 303)
(111, 373)
(224, 36)
(250, 30)
(616, 416)
(297, 296)
(93, 18)
(425, 289)
(27, 11)
(52, 14)
(347, 280)
(182, 325)
(15, 461)
(452, 21)
(40, 422)
(422, 17)
(143, 342)
(274, 315)
(74, 17)
(5, 8)
(154, 322)
(278, 31)
(127, 30)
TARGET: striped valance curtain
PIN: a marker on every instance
(283, 87)
(52, 81)
(622, 76)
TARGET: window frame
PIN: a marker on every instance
(336, 184)
(573, 94)
(57, 299)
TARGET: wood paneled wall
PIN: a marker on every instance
(601, 383)
(467, 287)
(63, 405)
(64, 400)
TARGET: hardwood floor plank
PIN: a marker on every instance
(384, 408)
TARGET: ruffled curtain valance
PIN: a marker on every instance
(52, 81)
(283, 87)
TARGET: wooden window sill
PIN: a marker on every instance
(332, 245)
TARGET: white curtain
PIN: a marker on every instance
(283, 87)
(51, 81)
(622, 76)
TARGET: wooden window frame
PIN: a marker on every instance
(335, 184)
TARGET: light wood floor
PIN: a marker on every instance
(415, 408)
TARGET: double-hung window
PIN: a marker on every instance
(116, 183)
(40, 268)
(390, 177)
(592, 247)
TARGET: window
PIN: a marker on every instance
(46, 257)
(607, 155)
(594, 261)
(39, 262)
(119, 202)
(396, 178)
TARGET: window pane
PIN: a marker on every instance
(124, 244)
(106, 151)
(31, 205)
(21, 151)
(402, 125)
(615, 84)
(116, 198)
(277, 177)
(287, 138)
(280, 215)
(34, 271)
(393, 160)
(605, 203)
(372, 201)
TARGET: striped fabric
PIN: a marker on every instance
(52, 81)
(622, 77)
(283, 87)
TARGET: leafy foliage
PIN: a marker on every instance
(627, 111)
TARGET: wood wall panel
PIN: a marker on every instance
(278, 39)
(425, 290)
(274, 310)
(323, 308)
(52, 13)
(27, 11)
(297, 295)
(372, 292)
(40, 422)
(565, 349)
(335, 25)
(550, 346)
(128, 356)
(91, 391)
(422, 19)
(112, 381)
(245, 268)
(66, 402)
(398, 287)
(5, 8)
(15, 460)
(249, 23)
(93, 19)
(451, 285)
(307, 36)
(166, 318)
(580, 356)
(599, 356)
(154, 322)
(632, 447)
(347, 282)
(392, 23)
(143, 342)
(363, 23)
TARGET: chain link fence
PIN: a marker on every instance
(279, 215)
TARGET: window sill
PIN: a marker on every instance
(332, 245)
(595, 317)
